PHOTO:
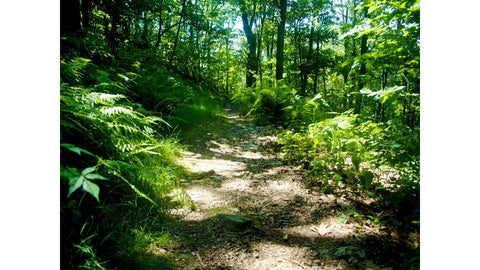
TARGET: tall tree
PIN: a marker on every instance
(252, 60)
(69, 16)
(182, 13)
(363, 67)
(86, 13)
(281, 40)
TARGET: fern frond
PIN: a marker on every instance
(116, 173)
(116, 110)
(128, 129)
(72, 124)
(147, 149)
(105, 97)
(155, 119)
(126, 147)
(110, 87)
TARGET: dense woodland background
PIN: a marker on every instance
(328, 75)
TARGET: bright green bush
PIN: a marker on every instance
(339, 148)
(265, 104)
(201, 109)
(159, 91)
(304, 111)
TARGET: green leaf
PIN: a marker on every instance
(341, 251)
(372, 9)
(81, 59)
(366, 177)
(112, 164)
(344, 64)
(91, 188)
(395, 144)
(356, 162)
(344, 219)
(123, 77)
(158, 119)
(68, 174)
(350, 177)
(76, 149)
(337, 178)
(93, 176)
(65, 123)
(384, 98)
(88, 170)
(74, 184)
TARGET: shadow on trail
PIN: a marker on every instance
(234, 142)
(332, 235)
(215, 243)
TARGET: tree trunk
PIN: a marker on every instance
(363, 69)
(227, 90)
(306, 66)
(86, 13)
(112, 38)
(160, 22)
(259, 48)
(281, 40)
(178, 33)
(324, 80)
(381, 106)
(252, 64)
(69, 16)
(310, 44)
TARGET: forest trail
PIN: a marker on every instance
(253, 211)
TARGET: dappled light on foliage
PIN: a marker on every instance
(240, 134)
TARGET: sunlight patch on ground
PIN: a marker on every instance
(222, 148)
(205, 197)
(219, 166)
(283, 187)
(268, 255)
(266, 139)
(331, 227)
(251, 155)
(237, 184)
(243, 151)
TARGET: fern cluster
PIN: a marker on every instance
(161, 91)
(118, 167)
(265, 104)
(280, 105)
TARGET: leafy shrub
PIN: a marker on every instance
(337, 148)
(200, 109)
(402, 146)
(159, 91)
(265, 104)
(304, 111)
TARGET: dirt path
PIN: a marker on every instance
(252, 211)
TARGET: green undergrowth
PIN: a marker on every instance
(199, 110)
(183, 104)
(372, 153)
(195, 119)
(280, 105)
(119, 172)
(349, 154)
